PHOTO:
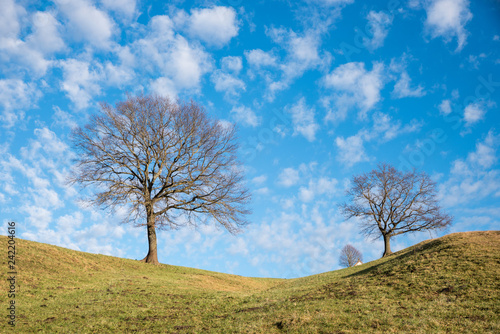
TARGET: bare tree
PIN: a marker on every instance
(349, 256)
(169, 164)
(389, 203)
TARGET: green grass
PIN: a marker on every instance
(450, 284)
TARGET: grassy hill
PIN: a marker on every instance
(450, 284)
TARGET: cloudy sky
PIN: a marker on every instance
(321, 90)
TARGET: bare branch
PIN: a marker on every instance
(349, 256)
(168, 163)
(389, 202)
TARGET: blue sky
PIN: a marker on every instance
(321, 90)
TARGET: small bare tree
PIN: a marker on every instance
(389, 203)
(168, 163)
(349, 256)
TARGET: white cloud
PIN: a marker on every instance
(29, 54)
(127, 8)
(378, 23)
(164, 87)
(45, 36)
(402, 87)
(117, 75)
(302, 54)
(475, 177)
(16, 95)
(231, 64)
(39, 217)
(445, 107)
(225, 82)
(165, 52)
(9, 19)
(447, 18)
(303, 120)
(318, 187)
(88, 23)
(474, 112)
(259, 58)
(332, 2)
(288, 177)
(80, 82)
(16, 51)
(354, 87)
(262, 191)
(70, 222)
(259, 179)
(63, 118)
(238, 247)
(215, 26)
(485, 154)
(386, 129)
(246, 116)
(351, 150)
(49, 142)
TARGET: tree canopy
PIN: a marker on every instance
(388, 203)
(168, 163)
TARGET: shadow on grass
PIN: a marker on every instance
(400, 257)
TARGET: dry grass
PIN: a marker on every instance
(450, 284)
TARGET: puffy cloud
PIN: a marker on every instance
(246, 116)
(162, 50)
(231, 64)
(475, 177)
(473, 113)
(239, 246)
(485, 154)
(385, 129)
(447, 18)
(260, 58)
(225, 82)
(87, 23)
(303, 120)
(329, 3)
(117, 75)
(302, 54)
(81, 82)
(164, 86)
(49, 142)
(215, 26)
(378, 23)
(37, 216)
(63, 118)
(288, 177)
(30, 53)
(354, 86)
(402, 87)
(351, 150)
(45, 36)
(126, 8)
(16, 95)
(318, 187)
(445, 107)
(259, 179)
(9, 19)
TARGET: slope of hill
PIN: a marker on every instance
(449, 284)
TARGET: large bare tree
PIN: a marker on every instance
(389, 202)
(168, 163)
(349, 256)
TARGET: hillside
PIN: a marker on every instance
(449, 284)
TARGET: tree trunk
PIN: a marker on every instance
(387, 244)
(152, 256)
